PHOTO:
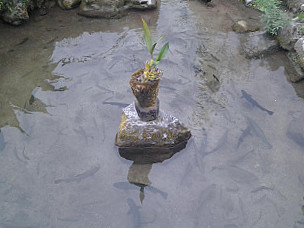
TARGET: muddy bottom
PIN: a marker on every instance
(63, 82)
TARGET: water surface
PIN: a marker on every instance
(63, 82)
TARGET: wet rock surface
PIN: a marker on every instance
(258, 44)
(103, 8)
(289, 34)
(295, 5)
(142, 4)
(145, 155)
(17, 15)
(296, 57)
(18, 12)
(242, 27)
(165, 131)
(68, 4)
(113, 9)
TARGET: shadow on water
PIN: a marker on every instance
(143, 158)
(138, 175)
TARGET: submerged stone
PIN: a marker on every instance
(242, 27)
(165, 131)
(259, 44)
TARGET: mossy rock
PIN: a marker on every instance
(165, 131)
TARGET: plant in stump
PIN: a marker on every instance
(145, 82)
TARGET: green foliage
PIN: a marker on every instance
(151, 46)
(151, 71)
(273, 17)
(264, 5)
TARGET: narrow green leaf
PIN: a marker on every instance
(163, 52)
(160, 39)
(154, 45)
(147, 35)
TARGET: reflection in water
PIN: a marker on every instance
(143, 158)
(138, 175)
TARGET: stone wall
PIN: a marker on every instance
(16, 12)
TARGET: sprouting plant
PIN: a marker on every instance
(151, 71)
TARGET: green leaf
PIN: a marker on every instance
(154, 45)
(147, 35)
(162, 52)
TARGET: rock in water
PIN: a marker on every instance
(240, 26)
(113, 8)
(258, 44)
(103, 8)
(165, 131)
(297, 58)
(68, 4)
(142, 4)
(16, 16)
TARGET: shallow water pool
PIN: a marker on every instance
(63, 82)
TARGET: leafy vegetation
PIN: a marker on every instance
(273, 17)
(151, 71)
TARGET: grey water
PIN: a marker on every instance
(63, 82)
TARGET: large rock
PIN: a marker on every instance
(102, 8)
(295, 5)
(141, 4)
(68, 4)
(289, 34)
(147, 155)
(257, 44)
(165, 131)
(17, 11)
(297, 58)
(242, 27)
(113, 8)
(17, 14)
